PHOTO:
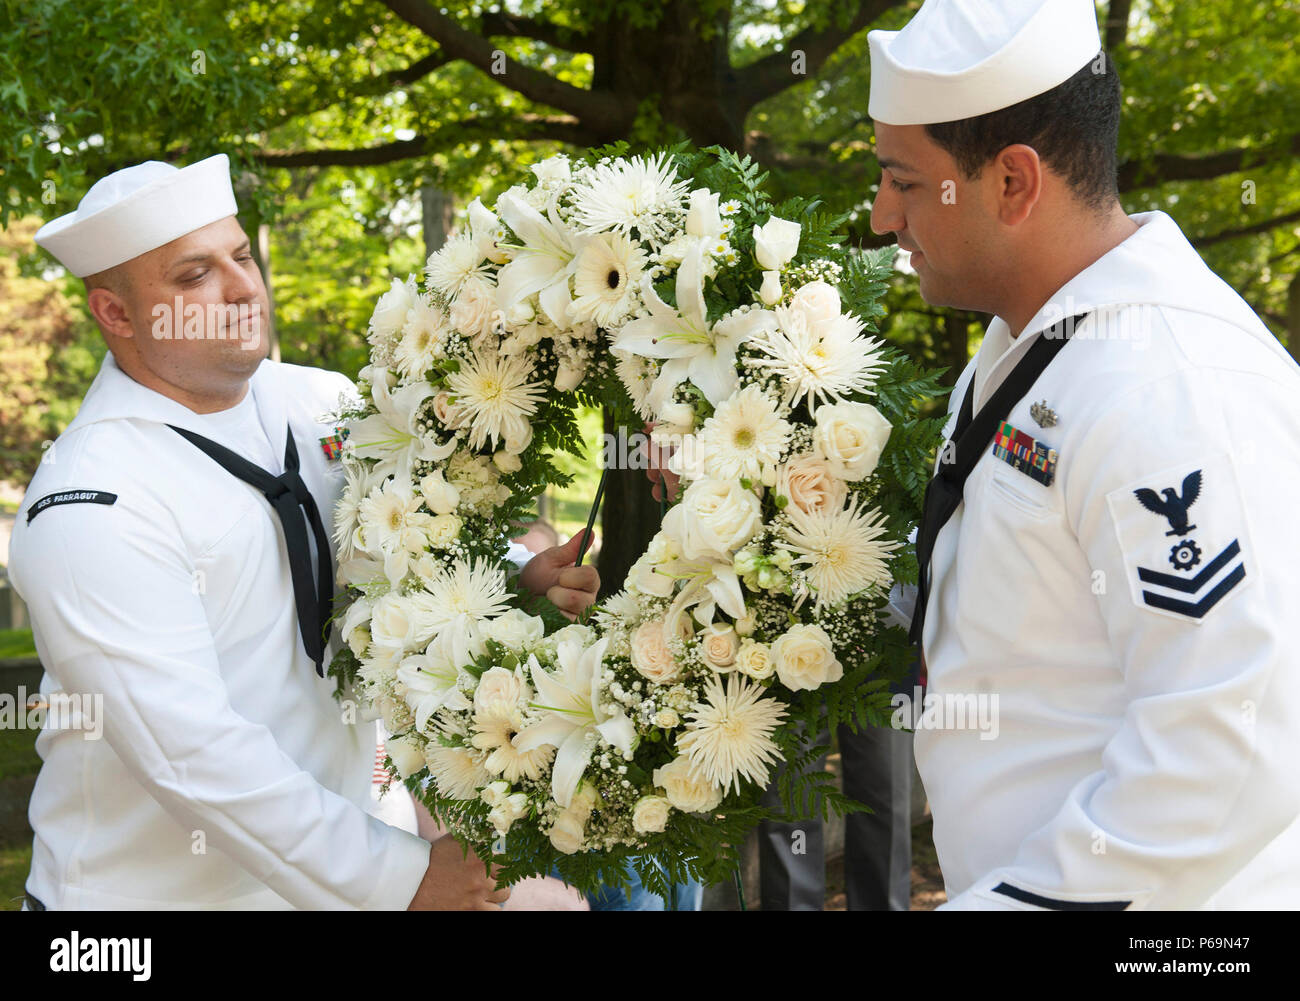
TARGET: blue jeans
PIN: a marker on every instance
(690, 895)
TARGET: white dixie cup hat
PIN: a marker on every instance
(961, 59)
(138, 209)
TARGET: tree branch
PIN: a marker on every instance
(517, 127)
(601, 109)
(503, 23)
(774, 73)
(1251, 230)
(1174, 167)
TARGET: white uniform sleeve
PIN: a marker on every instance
(1182, 498)
(111, 597)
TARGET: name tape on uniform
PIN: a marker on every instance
(70, 497)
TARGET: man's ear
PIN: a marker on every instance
(1019, 176)
(110, 311)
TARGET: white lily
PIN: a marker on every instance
(543, 263)
(575, 717)
(430, 681)
(694, 349)
(391, 436)
(708, 583)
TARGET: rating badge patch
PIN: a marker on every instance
(1185, 540)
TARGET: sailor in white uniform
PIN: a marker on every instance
(173, 552)
(1111, 538)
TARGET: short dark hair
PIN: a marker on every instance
(1074, 128)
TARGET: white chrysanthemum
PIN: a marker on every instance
(820, 361)
(744, 438)
(637, 193)
(605, 279)
(638, 376)
(457, 772)
(841, 550)
(460, 259)
(422, 339)
(620, 610)
(729, 735)
(466, 590)
(389, 514)
(493, 391)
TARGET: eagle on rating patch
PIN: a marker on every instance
(1173, 507)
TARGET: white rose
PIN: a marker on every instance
(576, 632)
(553, 169)
(770, 292)
(583, 801)
(407, 754)
(714, 518)
(746, 624)
(439, 495)
(393, 623)
(494, 793)
(685, 788)
(675, 419)
(474, 311)
(505, 813)
(776, 242)
(358, 640)
(650, 815)
(667, 718)
(443, 530)
(819, 302)
(809, 484)
(506, 462)
(516, 630)
(850, 437)
(390, 312)
(567, 376)
(755, 660)
(719, 644)
(497, 686)
(650, 654)
(567, 835)
(804, 658)
(519, 435)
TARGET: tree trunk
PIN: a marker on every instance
(1293, 317)
(263, 253)
(629, 520)
(437, 212)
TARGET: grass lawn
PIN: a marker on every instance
(18, 767)
(15, 643)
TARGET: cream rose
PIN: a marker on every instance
(650, 815)
(754, 659)
(517, 630)
(685, 788)
(719, 644)
(497, 687)
(506, 462)
(809, 484)
(443, 530)
(804, 658)
(850, 437)
(650, 654)
(504, 814)
(567, 835)
(714, 518)
(391, 309)
(447, 413)
(393, 622)
(474, 312)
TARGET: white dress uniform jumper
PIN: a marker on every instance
(226, 776)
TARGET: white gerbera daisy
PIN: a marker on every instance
(389, 515)
(493, 391)
(495, 727)
(841, 550)
(638, 193)
(458, 772)
(460, 259)
(744, 438)
(422, 339)
(826, 361)
(729, 735)
(605, 279)
(638, 376)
